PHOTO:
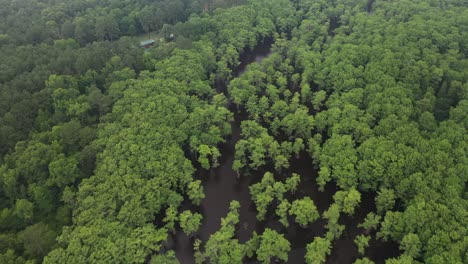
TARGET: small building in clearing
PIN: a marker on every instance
(147, 43)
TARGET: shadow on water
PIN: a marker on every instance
(221, 186)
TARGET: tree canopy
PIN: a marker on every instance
(105, 146)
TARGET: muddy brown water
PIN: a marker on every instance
(222, 186)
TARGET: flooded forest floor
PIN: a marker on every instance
(221, 186)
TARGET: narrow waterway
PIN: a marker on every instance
(221, 186)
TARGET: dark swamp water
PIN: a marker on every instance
(222, 186)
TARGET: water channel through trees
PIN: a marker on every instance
(221, 186)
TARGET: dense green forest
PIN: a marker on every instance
(105, 146)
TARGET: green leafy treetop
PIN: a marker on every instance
(371, 222)
(363, 261)
(348, 200)
(411, 245)
(267, 190)
(282, 212)
(292, 183)
(195, 192)
(403, 259)
(171, 218)
(167, 258)
(252, 245)
(305, 211)
(385, 200)
(273, 246)
(318, 250)
(222, 247)
(362, 242)
(334, 228)
(190, 222)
